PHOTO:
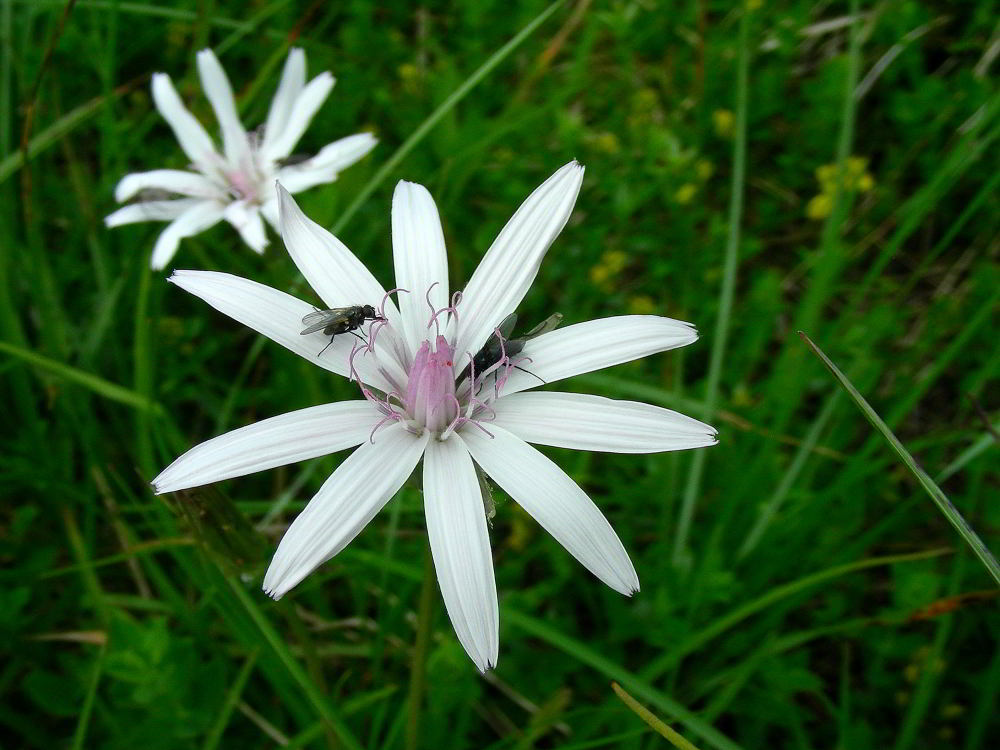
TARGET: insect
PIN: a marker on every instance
(339, 320)
(497, 348)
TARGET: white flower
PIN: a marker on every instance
(238, 184)
(418, 405)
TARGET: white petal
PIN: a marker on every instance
(595, 423)
(336, 275)
(556, 502)
(594, 345)
(344, 505)
(279, 317)
(150, 211)
(247, 222)
(195, 220)
(420, 259)
(344, 152)
(510, 265)
(220, 95)
(293, 78)
(281, 440)
(172, 180)
(307, 103)
(460, 546)
(327, 164)
(269, 210)
(192, 137)
(333, 271)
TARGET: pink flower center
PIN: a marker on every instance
(430, 400)
(243, 185)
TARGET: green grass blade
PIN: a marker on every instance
(51, 135)
(232, 698)
(693, 487)
(984, 443)
(83, 721)
(610, 669)
(773, 596)
(652, 719)
(771, 506)
(940, 499)
(93, 383)
(444, 108)
(319, 701)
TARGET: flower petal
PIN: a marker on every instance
(279, 317)
(196, 219)
(150, 211)
(333, 271)
(460, 546)
(595, 423)
(172, 180)
(220, 96)
(420, 259)
(594, 345)
(281, 440)
(247, 222)
(293, 78)
(191, 136)
(556, 502)
(510, 265)
(327, 164)
(344, 505)
(307, 103)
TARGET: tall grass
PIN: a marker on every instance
(798, 590)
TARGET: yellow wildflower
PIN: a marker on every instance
(641, 304)
(723, 120)
(820, 206)
(685, 193)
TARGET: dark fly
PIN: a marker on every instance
(338, 320)
(498, 347)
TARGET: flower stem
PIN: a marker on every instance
(418, 665)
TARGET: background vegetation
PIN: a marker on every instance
(800, 590)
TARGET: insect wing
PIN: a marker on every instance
(506, 326)
(320, 319)
(549, 324)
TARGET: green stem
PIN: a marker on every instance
(418, 665)
(693, 487)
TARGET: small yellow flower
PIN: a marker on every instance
(866, 182)
(820, 206)
(644, 100)
(599, 274)
(704, 169)
(641, 304)
(685, 193)
(952, 710)
(409, 75)
(723, 120)
(615, 260)
(610, 264)
(856, 165)
(826, 175)
(755, 4)
(607, 143)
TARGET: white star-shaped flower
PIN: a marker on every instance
(419, 401)
(238, 184)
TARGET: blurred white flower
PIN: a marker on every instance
(418, 402)
(238, 184)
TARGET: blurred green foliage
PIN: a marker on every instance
(121, 628)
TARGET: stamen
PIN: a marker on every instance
(435, 313)
(381, 308)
